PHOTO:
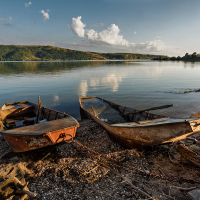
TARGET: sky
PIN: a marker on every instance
(161, 27)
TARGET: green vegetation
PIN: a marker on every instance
(188, 57)
(126, 56)
(44, 53)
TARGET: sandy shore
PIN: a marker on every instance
(106, 171)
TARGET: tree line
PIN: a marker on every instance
(186, 57)
(50, 53)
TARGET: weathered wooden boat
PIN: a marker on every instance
(134, 128)
(23, 130)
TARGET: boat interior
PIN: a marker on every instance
(117, 115)
(14, 115)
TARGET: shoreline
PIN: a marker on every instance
(68, 171)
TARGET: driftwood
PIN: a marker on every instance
(182, 188)
(31, 194)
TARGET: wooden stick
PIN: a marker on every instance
(46, 156)
(38, 110)
(94, 111)
(181, 188)
(193, 139)
(2, 126)
(31, 194)
(154, 108)
(182, 137)
(134, 187)
(159, 193)
(90, 170)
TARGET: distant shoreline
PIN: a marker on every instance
(187, 58)
(113, 60)
(51, 53)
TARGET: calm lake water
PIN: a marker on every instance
(138, 84)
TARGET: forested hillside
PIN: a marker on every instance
(37, 53)
(187, 57)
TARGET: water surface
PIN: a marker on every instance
(138, 84)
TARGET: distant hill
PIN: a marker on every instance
(41, 53)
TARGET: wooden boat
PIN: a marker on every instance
(22, 129)
(133, 128)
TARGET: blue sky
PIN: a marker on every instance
(166, 27)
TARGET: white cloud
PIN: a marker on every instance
(6, 21)
(154, 45)
(45, 14)
(77, 26)
(111, 36)
(27, 4)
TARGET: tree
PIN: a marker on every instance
(173, 58)
(194, 55)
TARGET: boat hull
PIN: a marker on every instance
(22, 143)
(57, 127)
(141, 135)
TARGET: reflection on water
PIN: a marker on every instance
(56, 99)
(110, 81)
(137, 84)
(10, 68)
(82, 88)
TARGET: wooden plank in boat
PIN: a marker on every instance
(16, 105)
(154, 120)
(45, 127)
(165, 120)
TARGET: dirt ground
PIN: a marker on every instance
(103, 170)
